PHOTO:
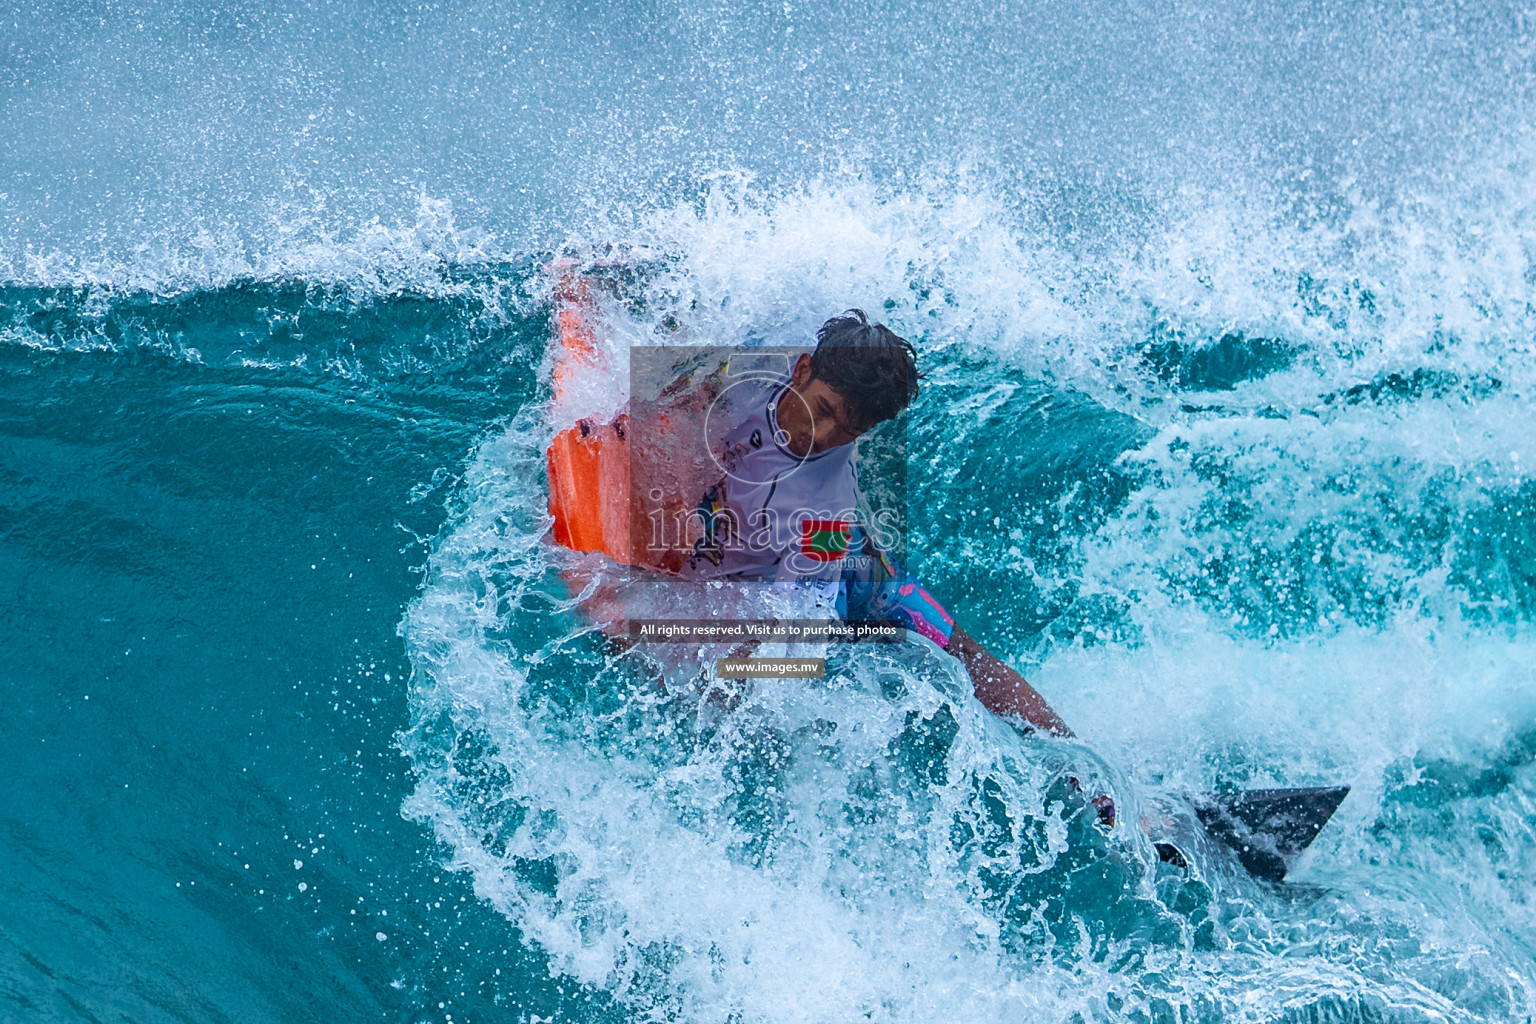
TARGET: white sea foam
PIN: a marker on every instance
(785, 859)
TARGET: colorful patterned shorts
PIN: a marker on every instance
(874, 587)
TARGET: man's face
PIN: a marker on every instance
(813, 415)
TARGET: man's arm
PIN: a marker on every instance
(1001, 690)
(1004, 692)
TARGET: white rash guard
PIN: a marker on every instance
(774, 516)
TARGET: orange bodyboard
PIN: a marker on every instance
(589, 490)
(588, 464)
(591, 464)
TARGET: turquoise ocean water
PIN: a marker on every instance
(1227, 318)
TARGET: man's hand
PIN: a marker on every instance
(1001, 690)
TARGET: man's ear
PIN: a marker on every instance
(802, 372)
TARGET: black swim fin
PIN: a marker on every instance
(1267, 827)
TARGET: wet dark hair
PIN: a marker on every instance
(869, 365)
